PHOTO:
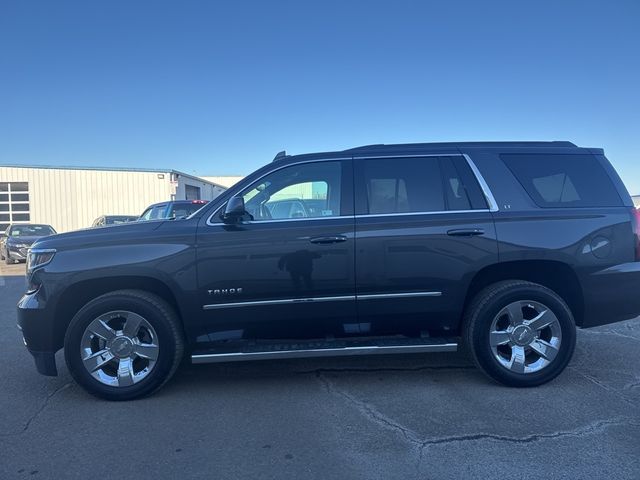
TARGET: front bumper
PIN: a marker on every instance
(36, 324)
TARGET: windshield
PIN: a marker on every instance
(154, 213)
(31, 231)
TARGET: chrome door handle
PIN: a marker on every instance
(329, 239)
(466, 232)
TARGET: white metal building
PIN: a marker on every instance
(636, 200)
(225, 181)
(69, 198)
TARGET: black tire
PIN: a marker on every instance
(162, 318)
(487, 305)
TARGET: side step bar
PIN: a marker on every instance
(323, 352)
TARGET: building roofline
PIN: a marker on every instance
(113, 169)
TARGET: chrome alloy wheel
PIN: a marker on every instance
(119, 348)
(525, 336)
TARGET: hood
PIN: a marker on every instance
(121, 233)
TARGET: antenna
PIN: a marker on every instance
(280, 155)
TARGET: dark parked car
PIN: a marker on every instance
(17, 238)
(501, 247)
(106, 220)
(172, 210)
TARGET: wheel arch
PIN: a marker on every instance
(555, 275)
(79, 294)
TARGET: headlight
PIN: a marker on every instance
(38, 257)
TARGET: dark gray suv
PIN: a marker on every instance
(503, 248)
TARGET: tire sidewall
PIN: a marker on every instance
(154, 315)
(484, 319)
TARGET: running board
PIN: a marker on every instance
(293, 352)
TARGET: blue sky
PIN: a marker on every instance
(217, 88)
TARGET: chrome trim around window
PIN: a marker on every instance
(438, 212)
(322, 352)
(488, 194)
(302, 162)
(493, 205)
(342, 298)
(259, 222)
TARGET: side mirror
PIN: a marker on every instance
(234, 210)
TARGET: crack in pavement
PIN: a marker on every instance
(612, 390)
(612, 333)
(371, 413)
(39, 411)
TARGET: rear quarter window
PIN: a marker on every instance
(555, 181)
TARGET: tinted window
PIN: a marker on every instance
(299, 191)
(182, 210)
(564, 180)
(414, 185)
(402, 185)
(458, 174)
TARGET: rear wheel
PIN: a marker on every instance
(519, 333)
(124, 345)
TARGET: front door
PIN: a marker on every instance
(286, 271)
(423, 228)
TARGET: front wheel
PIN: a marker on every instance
(520, 334)
(124, 345)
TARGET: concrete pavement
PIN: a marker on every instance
(409, 417)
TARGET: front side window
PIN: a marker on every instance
(310, 190)
(417, 185)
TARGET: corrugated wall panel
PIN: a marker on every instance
(70, 199)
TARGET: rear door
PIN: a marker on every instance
(423, 229)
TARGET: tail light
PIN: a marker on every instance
(202, 202)
(635, 221)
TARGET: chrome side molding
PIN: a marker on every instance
(322, 352)
(289, 301)
(286, 301)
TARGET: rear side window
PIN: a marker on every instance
(184, 209)
(417, 185)
(554, 181)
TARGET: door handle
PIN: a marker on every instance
(328, 240)
(466, 232)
